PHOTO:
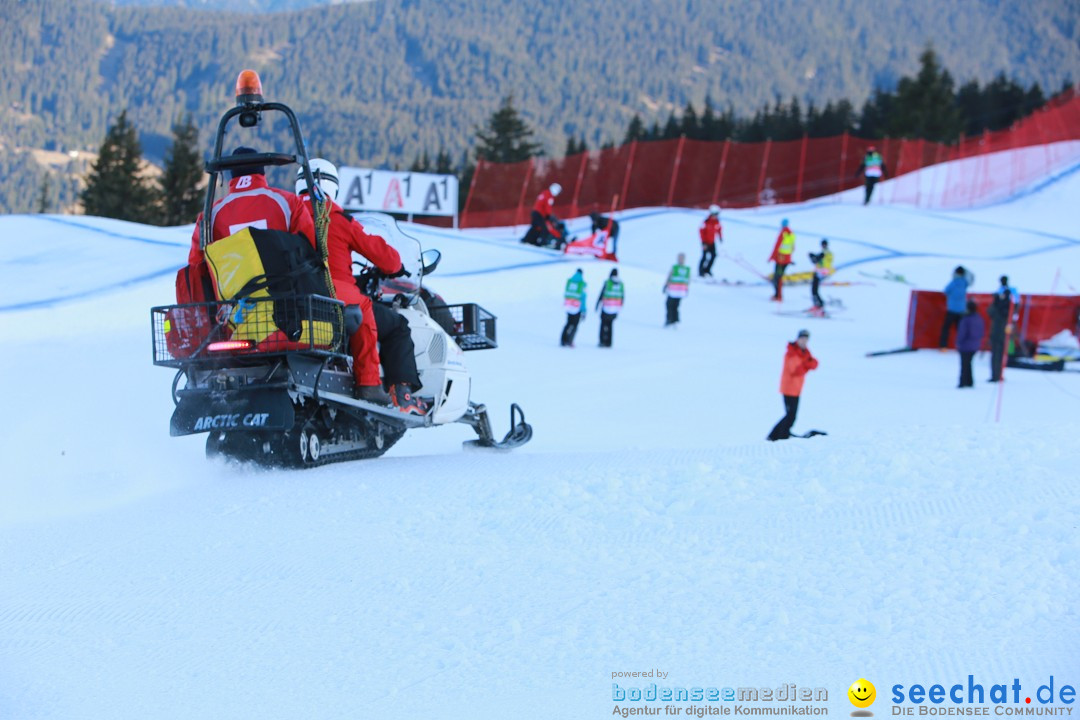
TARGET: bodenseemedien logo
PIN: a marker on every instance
(862, 694)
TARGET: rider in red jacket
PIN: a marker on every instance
(542, 210)
(253, 203)
(346, 236)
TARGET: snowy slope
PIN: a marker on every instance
(647, 524)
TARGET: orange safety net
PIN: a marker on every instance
(692, 173)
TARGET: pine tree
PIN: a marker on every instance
(635, 130)
(691, 128)
(443, 164)
(421, 164)
(506, 138)
(925, 105)
(44, 193)
(181, 196)
(113, 187)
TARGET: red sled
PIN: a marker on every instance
(597, 245)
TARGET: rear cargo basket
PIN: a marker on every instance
(471, 326)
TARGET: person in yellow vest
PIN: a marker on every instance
(609, 303)
(872, 170)
(823, 268)
(676, 287)
(574, 303)
(781, 255)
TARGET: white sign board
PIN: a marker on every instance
(397, 191)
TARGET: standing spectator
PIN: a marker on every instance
(823, 268)
(969, 337)
(609, 303)
(574, 302)
(676, 287)
(781, 255)
(608, 224)
(542, 210)
(710, 235)
(872, 169)
(797, 362)
(955, 302)
(1001, 310)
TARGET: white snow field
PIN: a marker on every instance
(647, 526)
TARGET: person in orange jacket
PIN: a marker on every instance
(344, 237)
(251, 202)
(781, 255)
(797, 362)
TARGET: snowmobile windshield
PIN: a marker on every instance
(407, 247)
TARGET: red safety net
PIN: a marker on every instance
(1038, 317)
(692, 173)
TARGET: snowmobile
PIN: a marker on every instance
(266, 372)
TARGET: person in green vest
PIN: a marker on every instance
(872, 169)
(676, 287)
(609, 303)
(574, 302)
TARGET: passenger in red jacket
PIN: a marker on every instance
(253, 203)
(797, 362)
(710, 235)
(344, 237)
(542, 210)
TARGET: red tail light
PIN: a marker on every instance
(230, 346)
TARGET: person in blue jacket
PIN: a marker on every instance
(955, 302)
(969, 337)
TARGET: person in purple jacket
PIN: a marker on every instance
(969, 337)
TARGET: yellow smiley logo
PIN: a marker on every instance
(862, 693)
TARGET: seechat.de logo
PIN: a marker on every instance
(862, 695)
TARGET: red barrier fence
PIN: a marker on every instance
(693, 173)
(1039, 317)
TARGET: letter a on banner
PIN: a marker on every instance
(393, 193)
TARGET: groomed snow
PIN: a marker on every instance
(648, 524)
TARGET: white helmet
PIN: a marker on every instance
(714, 209)
(325, 174)
(555, 189)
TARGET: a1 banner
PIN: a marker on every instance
(402, 192)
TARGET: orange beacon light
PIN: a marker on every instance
(248, 88)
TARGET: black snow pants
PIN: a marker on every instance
(951, 319)
(606, 322)
(395, 347)
(966, 379)
(997, 352)
(537, 229)
(782, 431)
(570, 329)
(870, 183)
(708, 255)
(672, 311)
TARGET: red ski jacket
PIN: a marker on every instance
(785, 245)
(345, 237)
(545, 201)
(710, 231)
(797, 362)
(253, 203)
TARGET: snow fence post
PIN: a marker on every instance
(577, 186)
(764, 167)
(802, 167)
(472, 186)
(626, 175)
(720, 173)
(524, 188)
(675, 169)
